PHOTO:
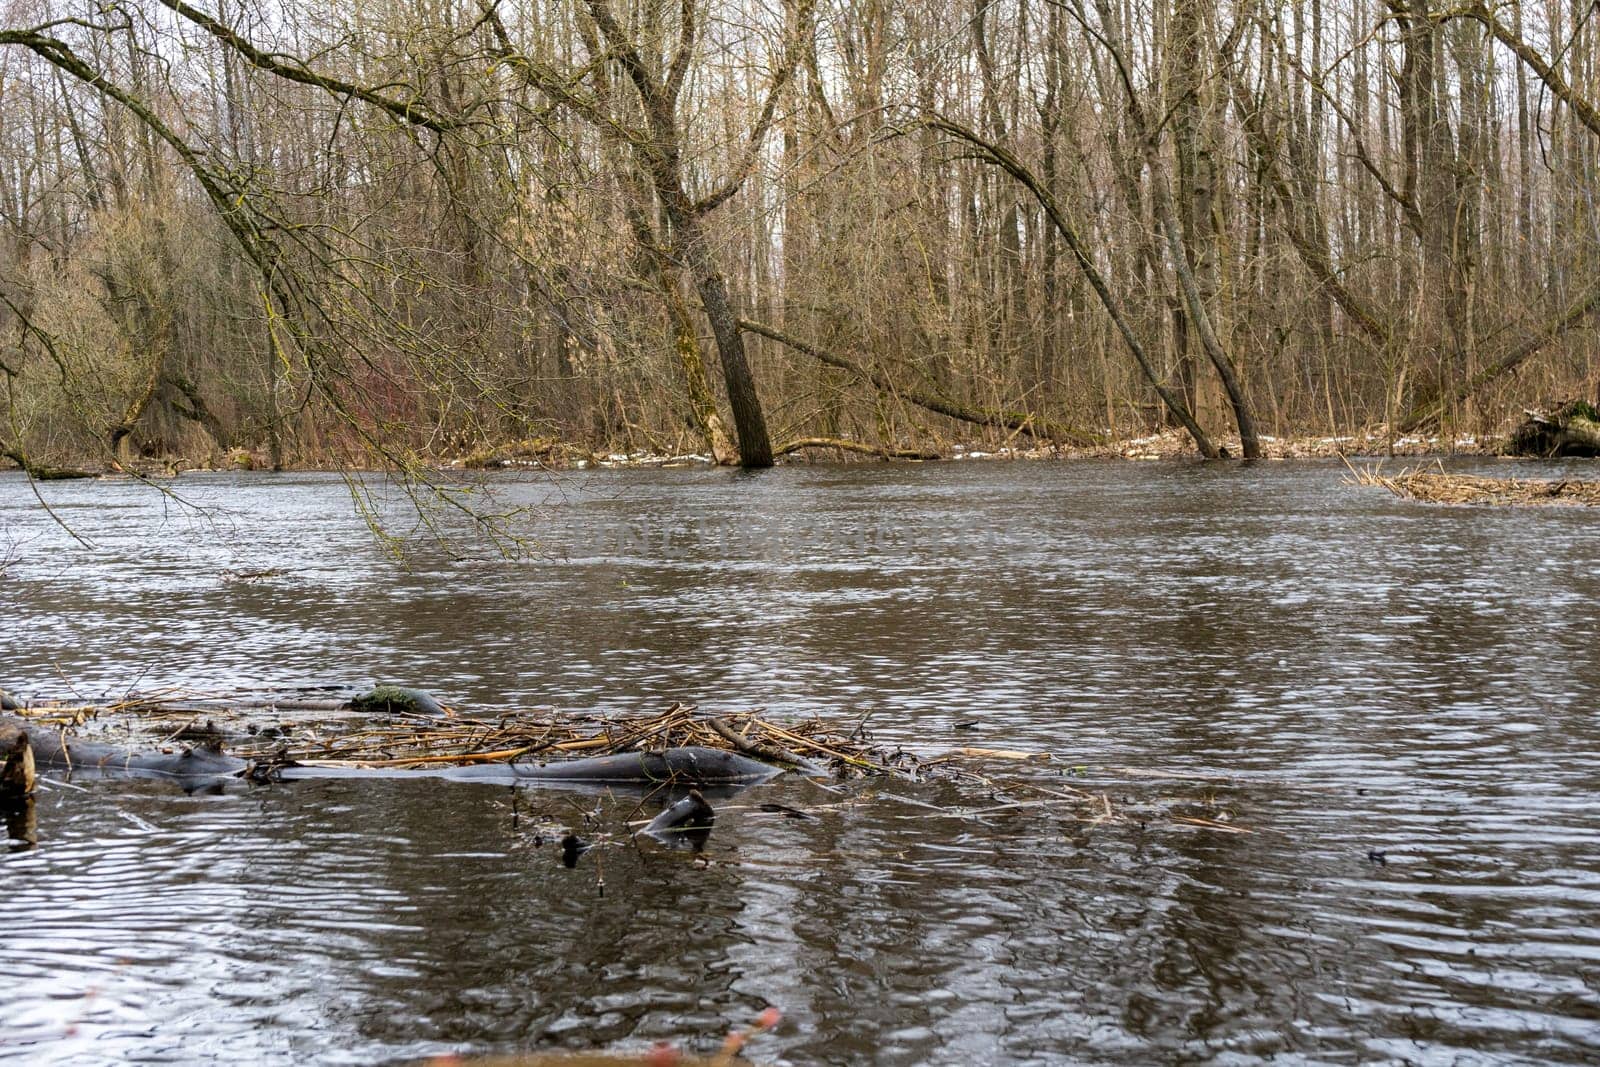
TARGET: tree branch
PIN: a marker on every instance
(408, 111)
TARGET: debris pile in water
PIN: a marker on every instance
(315, 728)
(332, 736)
(543, 735)
(1438, 487)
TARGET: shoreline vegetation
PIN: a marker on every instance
(551, 454)
(1531, 439)
(391, 236)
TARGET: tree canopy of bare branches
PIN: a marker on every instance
(406, 229)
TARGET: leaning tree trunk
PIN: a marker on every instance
(997, 155)
(755, 447)
(691, 362)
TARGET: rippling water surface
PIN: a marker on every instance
(1338, 671)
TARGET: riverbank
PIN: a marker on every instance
(554, 455)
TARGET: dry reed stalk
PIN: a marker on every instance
(1439, 487)
(1212, 824)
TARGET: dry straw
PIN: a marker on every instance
(1436, 486)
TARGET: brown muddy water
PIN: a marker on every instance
(1400, 699)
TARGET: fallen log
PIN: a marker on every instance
(686, 824)
(861, 447)
(689, 766)
(189, 766)
(41, 472)
(1573, 430)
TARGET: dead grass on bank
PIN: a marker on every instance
(1438, 487)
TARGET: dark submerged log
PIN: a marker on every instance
(388, 699)
(686, 824)
(17, 775)
(190, 767)
(692, 765)
(690, 813)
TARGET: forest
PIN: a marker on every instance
(404, 231)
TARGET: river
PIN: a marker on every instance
(1398, 700)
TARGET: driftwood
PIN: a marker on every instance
(197, 766)
(691, 766)
(191, 766)
(1438, 487)
(686, 824)
(348, 738)
(541, 452)
(765, 751)
(677, 764)
(861, 447)
(1573, 430)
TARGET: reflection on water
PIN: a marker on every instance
(1398, 699)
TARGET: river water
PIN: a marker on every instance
(1398, 700)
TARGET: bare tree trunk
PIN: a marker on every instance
(702, 404)
(755, 447)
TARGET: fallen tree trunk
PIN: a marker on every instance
(189, 766)
(1036, 426)
(39, 472)
(855, 446)
(1432, 410)
(1574, 430)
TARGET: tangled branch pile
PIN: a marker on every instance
(1010, 782)
(542, 735)
(1437, 487)
(409, 740)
